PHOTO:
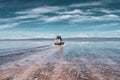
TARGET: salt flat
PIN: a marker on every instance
(74, 61)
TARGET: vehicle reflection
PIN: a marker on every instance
(59, 51)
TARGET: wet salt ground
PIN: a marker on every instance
(98, 60)
(85, 61)
(107, 55)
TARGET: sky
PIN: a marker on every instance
(22, 19)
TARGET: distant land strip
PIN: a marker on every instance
(68, 39)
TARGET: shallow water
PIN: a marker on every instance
(94, 51)
(16, 50)
(16, 45)
(88, 60)
(92, 60)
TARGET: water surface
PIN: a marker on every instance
(87, 60)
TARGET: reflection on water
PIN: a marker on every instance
(14, 45)
(59, 49)
(58, 52)
(77, 61)
(100, 52)
(99, 59)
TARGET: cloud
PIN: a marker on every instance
(40, 10)
(106, 17)
(75, 11)
(56, 18)
(33, 13)
(85, 4)
(73, 17)
(12, 22)
(83, 18)
(26, 17)
(53, 9)
(18, 18)
(60, 13)
(7, 25)
(105, 10)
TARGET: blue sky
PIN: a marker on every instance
(69, 18)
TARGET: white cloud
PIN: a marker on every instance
(85, 4)
(83, 18)
(34, 13)
(76, 18)
(109, 11)
(7, 25)
(40, 10)
(56, 18)
(76, 11)
(105, 10)
(26, 16)
(62, 13)
(70, 16)
(15, 19)
(106, 17)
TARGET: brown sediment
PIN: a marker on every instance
(61, 70)
(94, 72)
(43, 69)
